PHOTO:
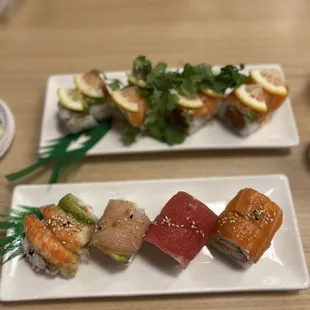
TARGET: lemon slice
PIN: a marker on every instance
(212, 93)
(127, 98)
(90, 85)
(70, 99)
(271, 80)
(188, 103)
(252, 96)
(133, 80)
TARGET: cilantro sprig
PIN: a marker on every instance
(159, 122)
(141, 68)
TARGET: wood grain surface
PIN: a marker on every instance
(39, 38)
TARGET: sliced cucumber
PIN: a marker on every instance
(70, 99)
(134, 81)
(90, 85)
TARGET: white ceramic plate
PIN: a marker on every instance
(280, 132)
(7, 128)
(282, 267)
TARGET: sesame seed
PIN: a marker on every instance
(271, 220)
(54, 229)
(203, 234)
(166, 217)
(177, 226)
(266, 222)
(169, 224)
(187, 218)
(182, 225)
(172, 224)
(64, 242)
(193, 223)
(197, 231)
(44, 227)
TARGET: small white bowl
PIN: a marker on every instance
(7, 128)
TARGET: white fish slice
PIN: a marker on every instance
(7, 128)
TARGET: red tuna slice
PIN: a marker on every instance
(182, 228)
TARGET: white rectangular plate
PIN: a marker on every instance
(280, 132)
(282, 267)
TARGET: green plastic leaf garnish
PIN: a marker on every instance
(11, 245)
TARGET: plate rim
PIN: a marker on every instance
(289, 143)
(280, 177)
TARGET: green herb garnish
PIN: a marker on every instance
(115, 85)
(251, 118)
(130, 135)
(141, 68)
(159, 121)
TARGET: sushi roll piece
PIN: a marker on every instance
(275, 88)
(246, 227)
(120, 231)
(45, 252)
(70, 223)
(193, 113)
(182, 228)
(85, 106)
(244, 110)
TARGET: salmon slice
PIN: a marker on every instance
(182, 228)
(247, 226)
(121, 229)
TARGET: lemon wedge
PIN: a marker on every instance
(127, 98)
(252, 96)
(212, 93)
(133, 80)
(271, 80)
(70, 99)
(90, 85)
(188, 103)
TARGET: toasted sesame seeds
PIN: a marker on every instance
(64, 242)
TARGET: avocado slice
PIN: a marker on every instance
(120, 259)
(69, 204)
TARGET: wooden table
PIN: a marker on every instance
(40, 38)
